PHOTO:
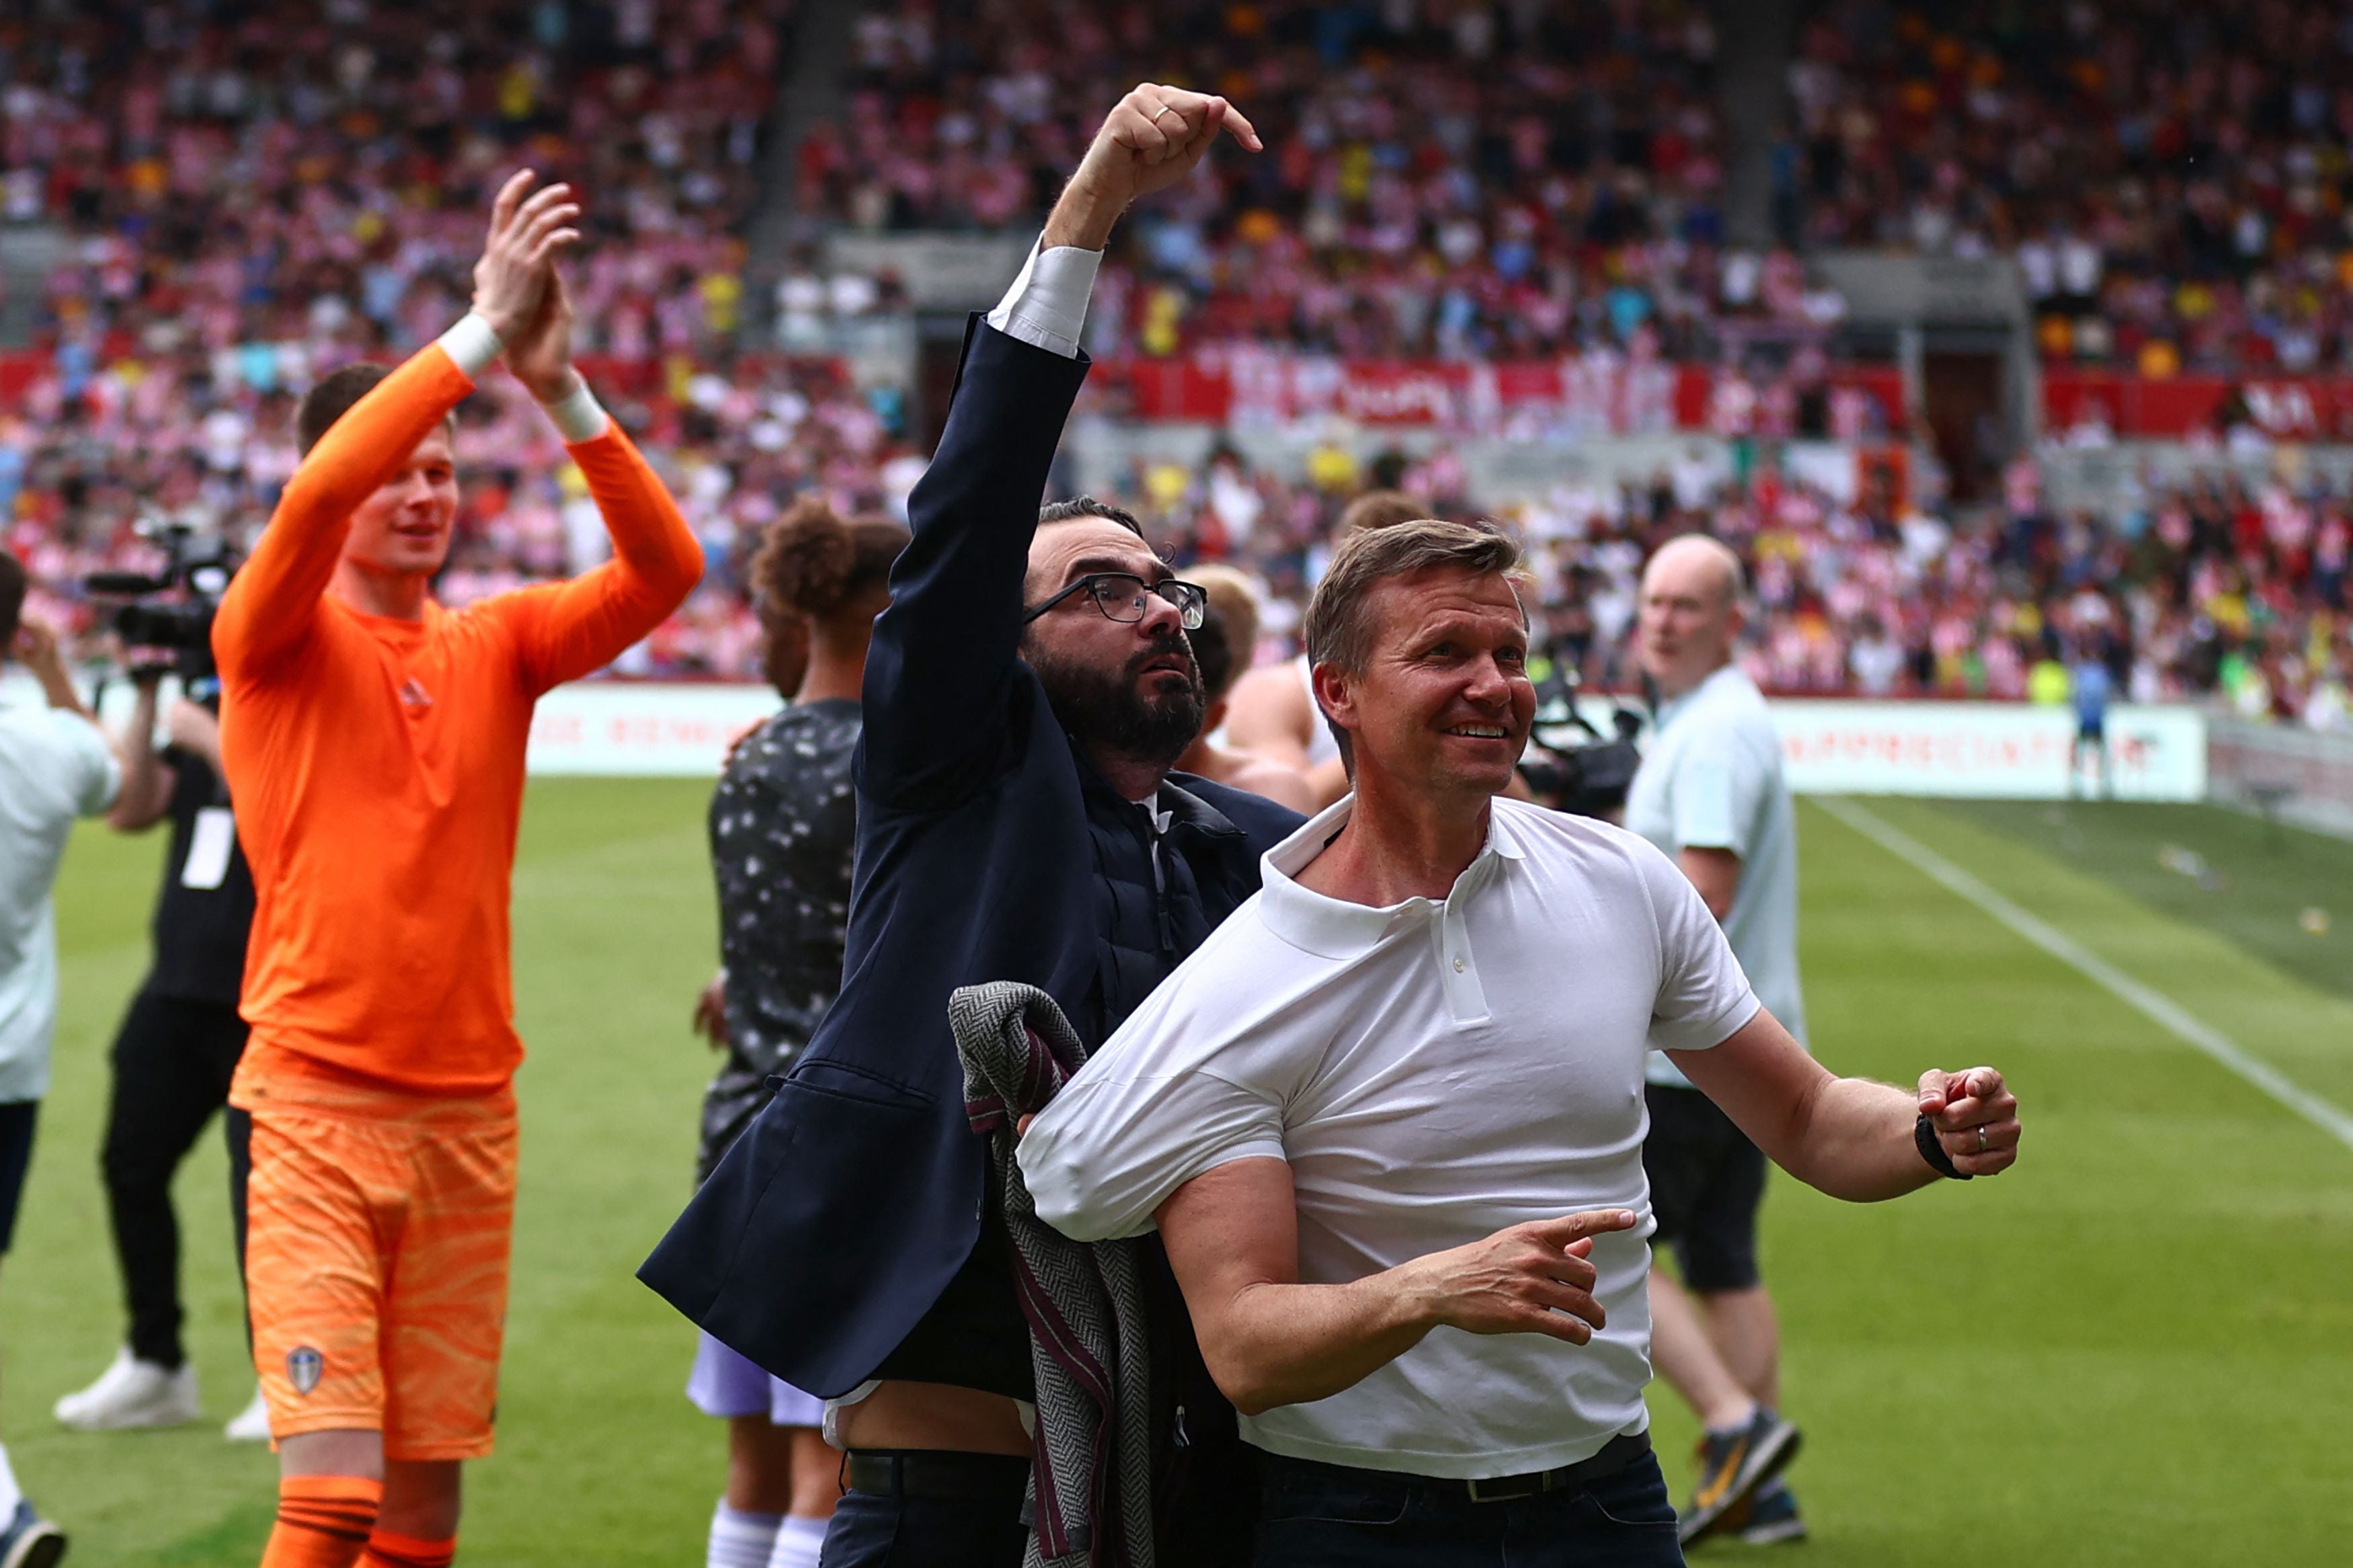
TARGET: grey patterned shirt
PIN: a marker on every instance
(782, 828)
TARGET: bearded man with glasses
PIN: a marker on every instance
(1027, 693)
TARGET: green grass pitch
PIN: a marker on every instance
(2136, 1349)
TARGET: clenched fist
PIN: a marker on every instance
(1976, 1119)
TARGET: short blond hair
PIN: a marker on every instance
(1377, 510)
(1235, 597)
(1339, 618)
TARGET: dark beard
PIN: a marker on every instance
(1106, 711)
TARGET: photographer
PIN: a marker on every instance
(1711, 794)
(174, 1056)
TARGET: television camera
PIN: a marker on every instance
(1571, 765)
(169, 612)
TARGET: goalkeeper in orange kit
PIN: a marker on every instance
(374, 743)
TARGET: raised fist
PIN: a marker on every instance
(1152, 138)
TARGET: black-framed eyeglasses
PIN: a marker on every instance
(1121, 595)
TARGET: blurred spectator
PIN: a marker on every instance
(2213, 590)
(2169, 178)
(1472, 180)
(163, 438)
(1476, 180)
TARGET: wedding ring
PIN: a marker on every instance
(1981, 1138)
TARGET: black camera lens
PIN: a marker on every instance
(166, 625)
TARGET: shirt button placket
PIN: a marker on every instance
(1465, 997)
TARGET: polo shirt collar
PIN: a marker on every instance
(1333, 928)
(1674, 706)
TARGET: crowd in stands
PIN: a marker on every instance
(1494, 180)
(80, 472)
(1481, 180)
(239, 179)
(1513, 180)
(2173, 179)
(2217, 591)
(252, 194)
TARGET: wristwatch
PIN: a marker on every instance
(1932, 1148)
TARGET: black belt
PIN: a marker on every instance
(944, 1474)
(1615, 1456)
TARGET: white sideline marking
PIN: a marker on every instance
(2155, 1005)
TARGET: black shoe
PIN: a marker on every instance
(30, 1540)
(1772, 1518)
(1732, 1466)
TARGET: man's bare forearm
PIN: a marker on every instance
(1850, 1137)
(1080, 219)
(57, 688)
(1289, 1344)
(1857, 1142)
(1232, 1239)
(144, 796)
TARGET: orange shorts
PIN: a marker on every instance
(378, 1226)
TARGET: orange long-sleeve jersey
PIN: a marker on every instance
(378, 764)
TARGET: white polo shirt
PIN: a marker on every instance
(1432, 1072)
(1711, 779)
(54, 767)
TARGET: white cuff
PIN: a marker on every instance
(472, 345)
(579, 417)
(1046, 305)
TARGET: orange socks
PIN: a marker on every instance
(329, 1521)
(323, 1521)
(406, 1551)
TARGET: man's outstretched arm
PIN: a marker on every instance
(1850, 1137)
(943, 653)
(1232, 1237)
(271, 604)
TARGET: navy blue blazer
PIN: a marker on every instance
(839, 1216)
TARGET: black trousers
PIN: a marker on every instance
(173, 1062)
(973, 1522)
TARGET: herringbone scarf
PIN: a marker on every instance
(1091, 1476)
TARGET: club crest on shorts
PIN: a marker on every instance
(304, 1367)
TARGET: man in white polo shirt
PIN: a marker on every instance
(1710, 794)
(1388, 1119)
(55, 766)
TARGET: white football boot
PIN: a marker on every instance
(133, 1393)
(252, 1423)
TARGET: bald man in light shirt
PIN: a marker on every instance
(1710, 794)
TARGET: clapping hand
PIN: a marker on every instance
(540, 355)
(515, 275)
(1975, 1117)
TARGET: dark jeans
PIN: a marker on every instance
(1330, 1516)
(873, 1531)
(173, 1062)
